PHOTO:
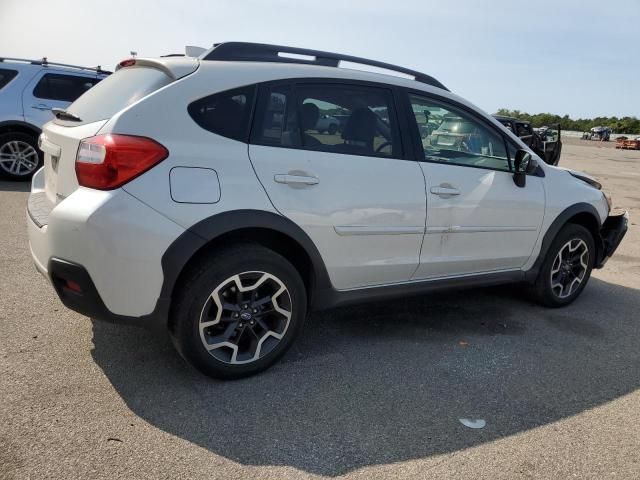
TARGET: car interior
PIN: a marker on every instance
(452, 137)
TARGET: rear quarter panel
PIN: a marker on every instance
(163, 116)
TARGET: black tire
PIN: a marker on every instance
(212, 278)
(7, 141)
(333, 128)
(543, 289)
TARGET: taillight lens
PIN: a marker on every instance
(129, 62)
(106, 162)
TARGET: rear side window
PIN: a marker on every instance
(6, 76)
(335, 118)
(116, 92)
(64, 88)
(278, 125)
(226, 113)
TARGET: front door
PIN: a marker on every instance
(478, 220)
(349, 188)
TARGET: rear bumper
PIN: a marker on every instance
(77, 292)
(110, 244)
(611, 234)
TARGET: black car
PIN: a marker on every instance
(545, 142)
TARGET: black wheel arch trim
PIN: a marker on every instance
(324, 295)
(23, 125)
(175, 259)
(560, 221)
(202, 233)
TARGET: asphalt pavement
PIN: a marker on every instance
(373, 391)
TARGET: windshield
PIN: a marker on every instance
(117, 92)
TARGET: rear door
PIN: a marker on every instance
(351, 190)
(51, 89)
(478, 220)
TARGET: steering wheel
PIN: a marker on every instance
(385, 144)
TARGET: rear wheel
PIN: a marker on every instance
(567, 267)
(19, 156)
(239, 312)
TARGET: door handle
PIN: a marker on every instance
(296, 179)
(41, 106)
(445, 191)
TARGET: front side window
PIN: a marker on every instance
(332, 118)
(452, 136)
(6, 76)
(226, 113)
(64, 88)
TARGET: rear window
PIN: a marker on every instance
(226, 113)
(117, 92)
(6, 76)
(456, 125)
(64, 88)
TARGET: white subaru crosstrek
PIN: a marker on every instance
(197, 195)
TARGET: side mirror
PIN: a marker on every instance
(521, 167)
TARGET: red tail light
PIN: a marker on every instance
(128, 62)
(106, 162)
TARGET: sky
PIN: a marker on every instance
(574, 57)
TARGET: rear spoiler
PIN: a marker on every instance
(174, 67)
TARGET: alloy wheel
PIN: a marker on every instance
(18, 158)
(569, 268)
(245, 317)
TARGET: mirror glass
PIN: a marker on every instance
(522, 161)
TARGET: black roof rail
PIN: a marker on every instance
(263, 52)
(45, 62)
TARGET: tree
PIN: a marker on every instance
(629, 125)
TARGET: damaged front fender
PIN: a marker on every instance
(611, 234)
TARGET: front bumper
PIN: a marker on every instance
(611, 234)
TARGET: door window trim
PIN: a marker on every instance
(445, 102)
(390, 91)
(11, 74)
(38, 78)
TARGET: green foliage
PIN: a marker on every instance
(618, 125)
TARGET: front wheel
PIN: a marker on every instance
(239, 312)
(566, 268)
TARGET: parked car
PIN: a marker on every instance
(454, 132)
(29, 91)
(598, 133)
(225, 223)
(328, 124)
(545, 141)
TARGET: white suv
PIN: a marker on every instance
(30, 91)
(195, 194)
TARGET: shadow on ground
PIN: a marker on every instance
(15, 186)
(388, 382)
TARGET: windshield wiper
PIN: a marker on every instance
(62, 114)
